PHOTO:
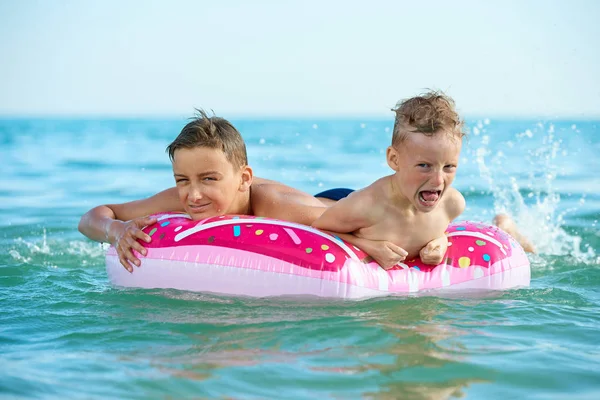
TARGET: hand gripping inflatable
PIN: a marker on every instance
(254, 256)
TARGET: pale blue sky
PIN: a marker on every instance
(312, 58)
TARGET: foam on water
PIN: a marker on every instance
(536, 206)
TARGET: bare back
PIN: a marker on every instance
(275, 200)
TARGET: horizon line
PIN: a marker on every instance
(245, 116)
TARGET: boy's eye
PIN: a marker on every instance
(423, 165)
(180, 180)
(450, 167)
(209, 178)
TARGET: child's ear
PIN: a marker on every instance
(392, 158)
(246, 179)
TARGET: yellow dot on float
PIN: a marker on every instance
(324, 247)
(464, 262)
(259, 231)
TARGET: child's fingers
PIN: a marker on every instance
(135, 245)
(388, 263)
(432, 258)
(149, 221)
(141, 224)
(126, 254)
(139, 234)
(132, 258)
(397, 249)
(431, 249)
(125, 263)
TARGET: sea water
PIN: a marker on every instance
(66, 333)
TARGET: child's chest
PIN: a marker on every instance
(409, 231)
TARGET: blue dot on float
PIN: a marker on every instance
(165, 223)
(236, 228)
(417, 268)
(461, 228)
(486, 257)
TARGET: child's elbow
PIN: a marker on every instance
(318, 224)
(82, 224)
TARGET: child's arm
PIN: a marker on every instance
(385, 253)
(106, 223)
(455, 204)
(348, 215)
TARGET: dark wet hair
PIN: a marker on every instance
(212, 132)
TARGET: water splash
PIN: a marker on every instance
(44, 251)
(35, 248)
(530, 197)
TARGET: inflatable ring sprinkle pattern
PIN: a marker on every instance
(255, 256)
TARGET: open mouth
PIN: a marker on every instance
(429, 198)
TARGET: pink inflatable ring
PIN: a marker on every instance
(254, 256)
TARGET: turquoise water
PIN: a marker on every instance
(66, 333)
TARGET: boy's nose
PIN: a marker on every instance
(438, 178)
(195, 194)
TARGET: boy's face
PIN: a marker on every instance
(208, 184)
(425, 167)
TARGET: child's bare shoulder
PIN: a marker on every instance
(368, 199)
(380, 190)
(455, 203)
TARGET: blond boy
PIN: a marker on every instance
(405, 215)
